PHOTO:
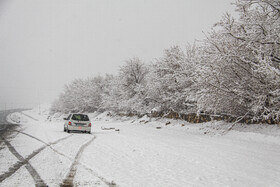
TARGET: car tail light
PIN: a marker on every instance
(69, 123)
(89, 124)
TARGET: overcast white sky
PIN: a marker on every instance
(45, 44)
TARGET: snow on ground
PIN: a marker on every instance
(143, 152)
(141, 155)
(6, 160)
(20, 178)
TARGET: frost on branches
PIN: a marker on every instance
(242, 62)
(234, 71)
(171, 82)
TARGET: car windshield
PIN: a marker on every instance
(80, 117)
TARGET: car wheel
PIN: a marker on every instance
(64, 129)
(68, 131)
(89, 132)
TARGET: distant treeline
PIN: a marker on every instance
(234, 71)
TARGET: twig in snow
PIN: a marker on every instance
(238, 120)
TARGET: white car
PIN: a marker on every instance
(77, 122)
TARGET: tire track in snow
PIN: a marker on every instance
(68, 181)
(110, 184)
(36, 177)
(12, 136)
(35, 138)
(25, 161)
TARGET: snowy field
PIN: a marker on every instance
(139, 152)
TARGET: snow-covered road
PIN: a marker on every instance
(137, 155)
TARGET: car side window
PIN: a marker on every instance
(68, 118)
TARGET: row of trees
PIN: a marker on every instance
(234, 71)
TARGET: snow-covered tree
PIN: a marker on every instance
(241, 62)
(132, 80)
(170, 86)
(111, 95)
(126, 91)
(235, 71)
(80, 96)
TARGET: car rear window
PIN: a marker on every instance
(80, 117)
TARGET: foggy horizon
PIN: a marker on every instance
(47, 44)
